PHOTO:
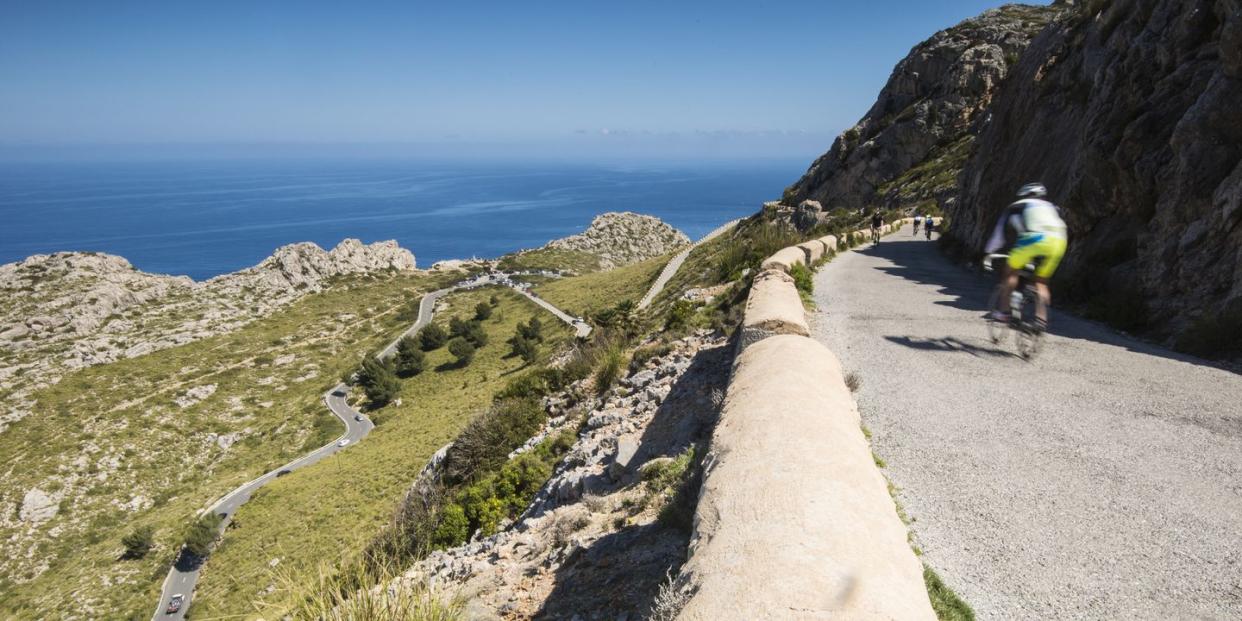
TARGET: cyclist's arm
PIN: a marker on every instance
(998, 240)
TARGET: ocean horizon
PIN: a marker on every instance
(206, 218)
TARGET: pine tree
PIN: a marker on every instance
(410, 360)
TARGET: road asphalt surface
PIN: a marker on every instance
(1102, 480)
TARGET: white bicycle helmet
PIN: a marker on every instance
(1032, 190)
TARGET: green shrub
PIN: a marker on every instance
(489, 437)
(679, 315)
(379, 381)
(202, 534)
(482, 311)
(432, 337)
(608, 369)
(462, 350)
(453, 528)
(138, 542)
(525, 349)
(470, 330)
(802, 278)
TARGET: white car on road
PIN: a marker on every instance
(343, 442)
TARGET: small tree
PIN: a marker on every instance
(462, 350)
(527, 349)
(476, 334)
(202, 534)
(494, 301)
(432, 337)
(410, 360)
(383, 389)
(482, 311)
(138, 542)
(531, 331)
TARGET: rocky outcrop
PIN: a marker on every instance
(1129, 113)
(305, 266)
(909, 147)
(70, 310)
(621, 238)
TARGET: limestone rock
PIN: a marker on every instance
(1129, 113)
(928, 105)
(623, 238)
(38, 507)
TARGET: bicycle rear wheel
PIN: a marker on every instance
(996, 329)
(1027, 336)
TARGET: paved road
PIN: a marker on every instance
(1101, 481)
(183, 576)
(674, 264)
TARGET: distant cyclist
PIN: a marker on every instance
(929, 224)
(1033, 232)
(918, 219)
(877, 221)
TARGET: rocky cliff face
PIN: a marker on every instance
(1125, 109)
(911, 144)
(1129, 112)
(620, 238)
(73, 309)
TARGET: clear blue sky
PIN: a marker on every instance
(777, 74)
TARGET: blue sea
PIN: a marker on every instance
(207, 218)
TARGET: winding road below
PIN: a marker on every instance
(1103, 480)
(183, 576)
(674, 264)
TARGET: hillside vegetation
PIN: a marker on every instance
(151, 440)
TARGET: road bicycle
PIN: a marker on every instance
(875, 234)
(1024, 305)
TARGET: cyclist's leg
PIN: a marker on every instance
(1051, 249)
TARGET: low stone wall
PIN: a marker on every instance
(794, 520)
(785, 259)
(813, 250)
(773, 307)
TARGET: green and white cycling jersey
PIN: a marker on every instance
(1027, 218)
(1040, 216)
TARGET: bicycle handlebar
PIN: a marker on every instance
(987, 260)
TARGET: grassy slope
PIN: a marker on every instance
(589, 293)
(550, 259)
(331, 509)
(110, 434)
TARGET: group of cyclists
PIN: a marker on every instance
(1031, 233)
(927, 222)
(877, 222)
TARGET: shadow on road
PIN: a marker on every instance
(920, 261)
(187, 562)
(951, 344)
